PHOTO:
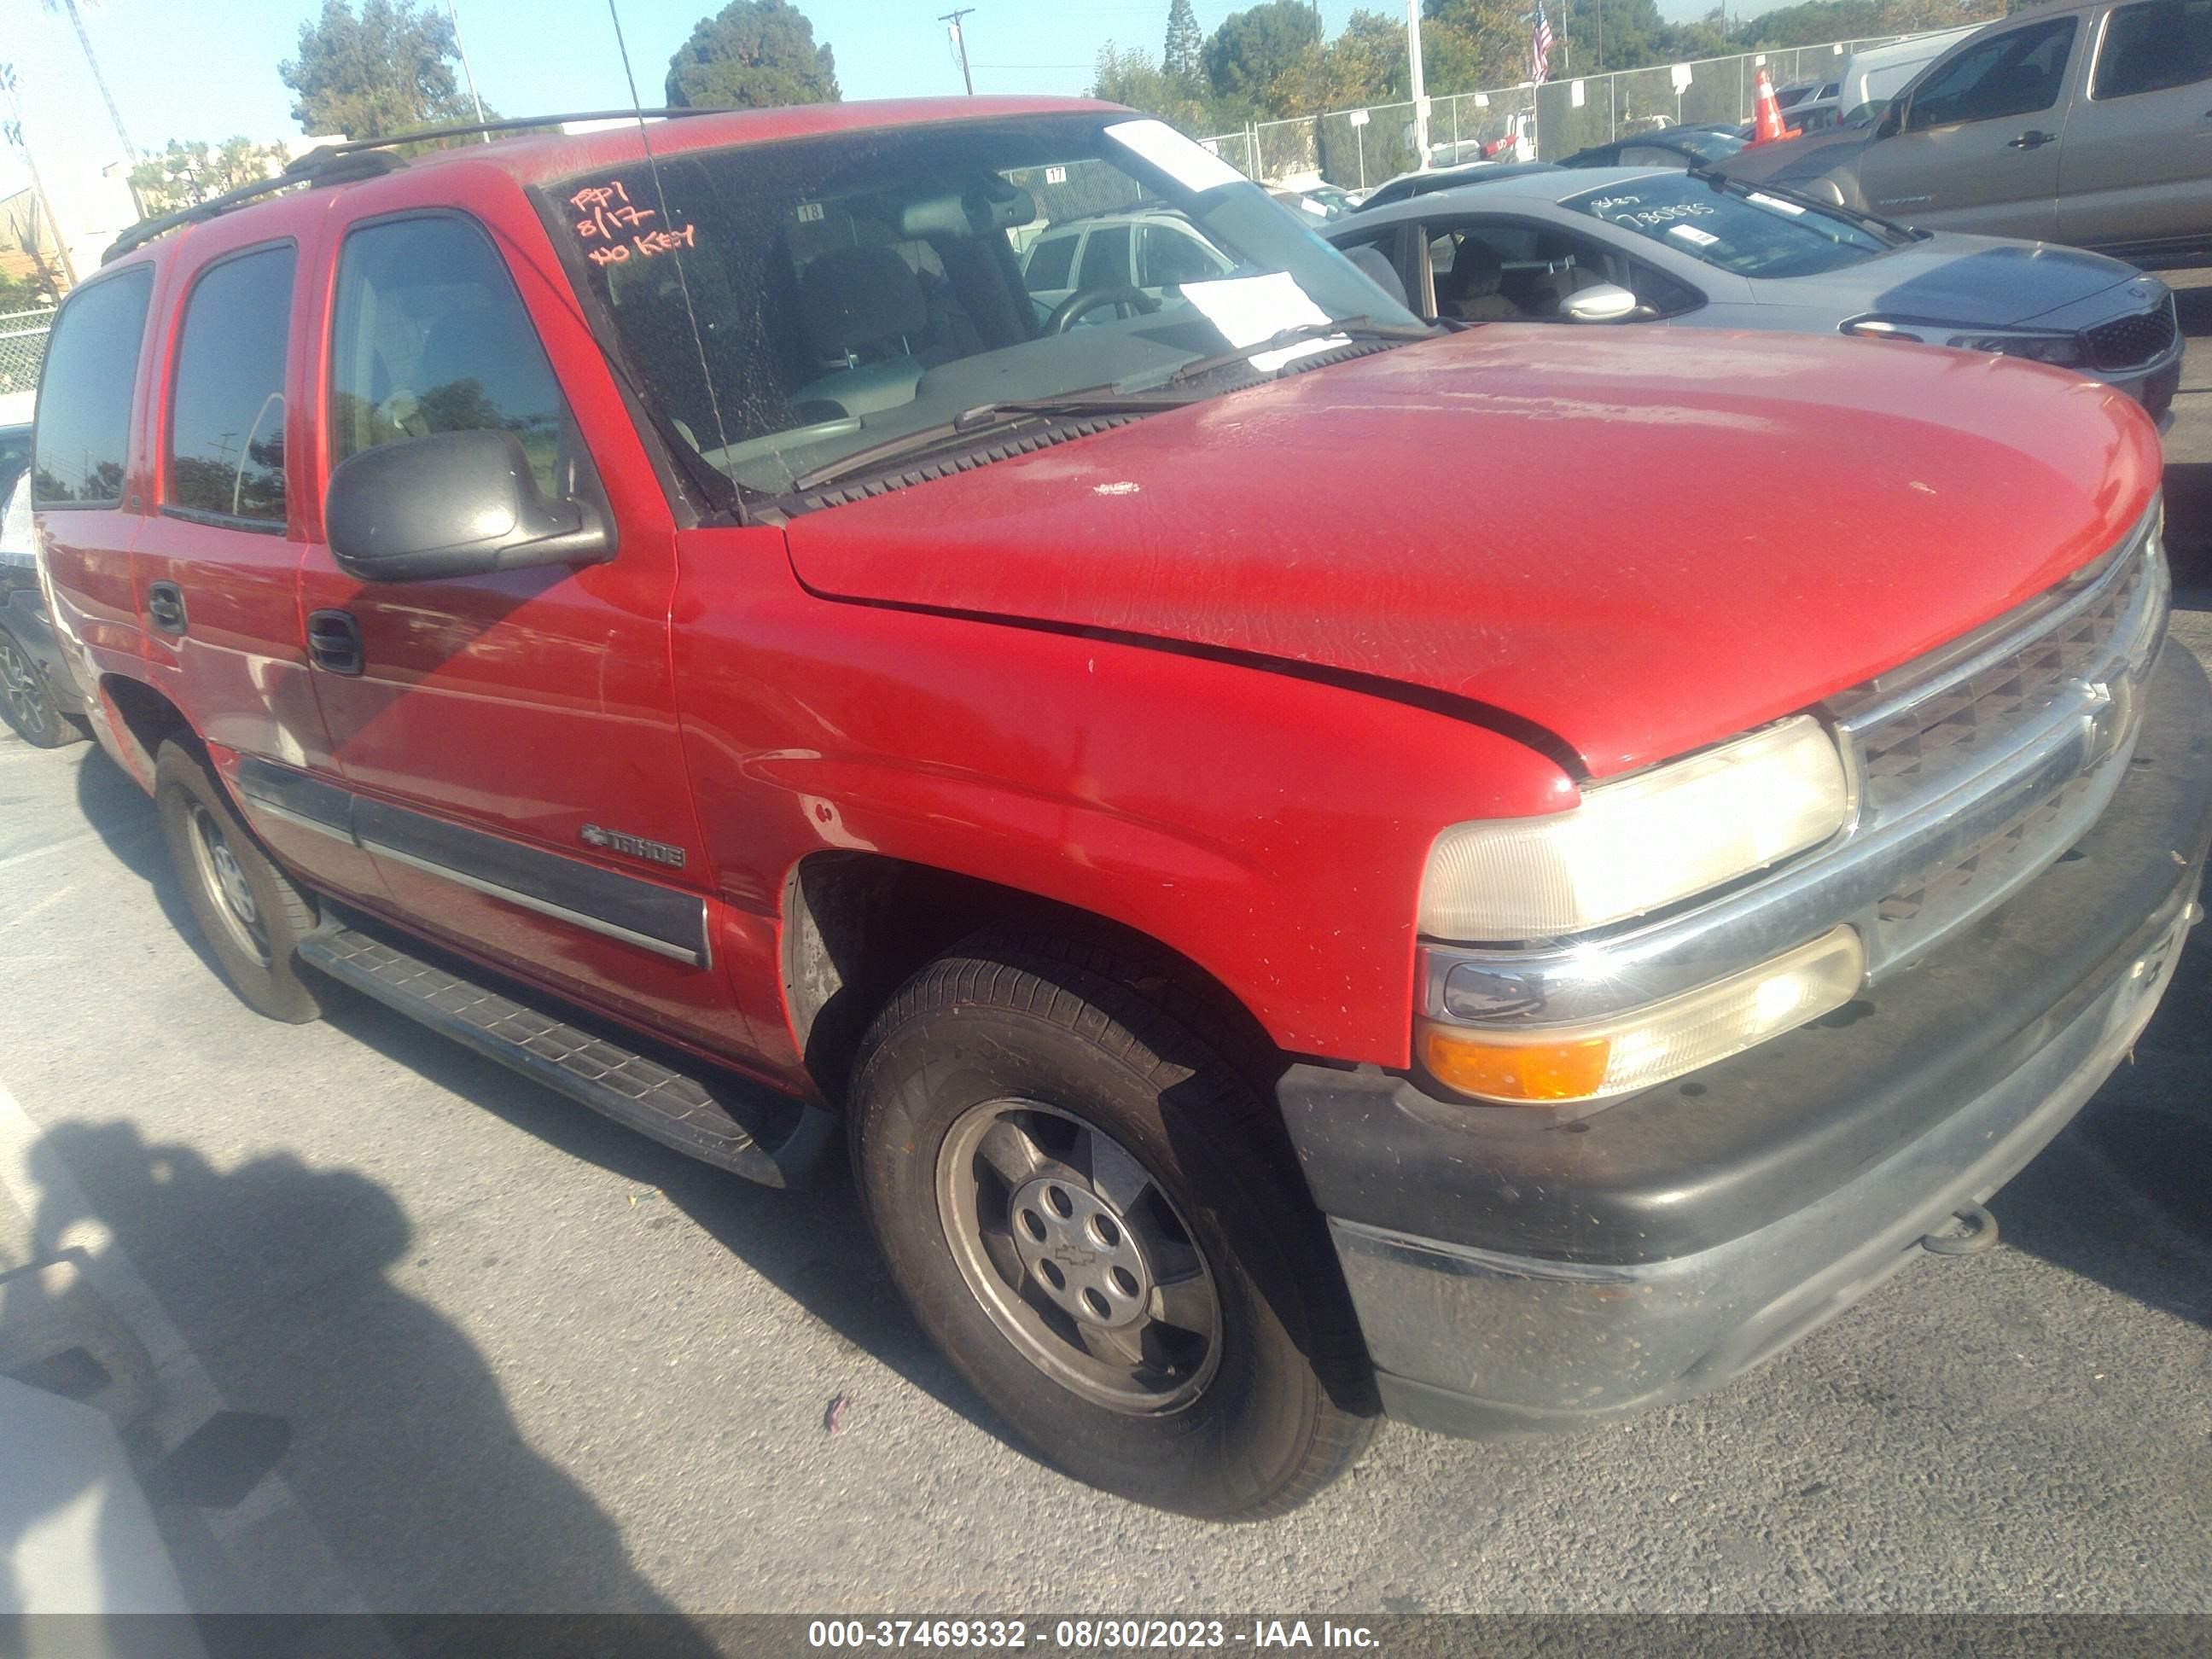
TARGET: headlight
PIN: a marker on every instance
(1559, 1065)
(2062, 348)
(1641, 844)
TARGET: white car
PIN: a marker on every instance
(1150, 249)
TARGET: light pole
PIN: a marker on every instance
(1420, 94)
(462, 52)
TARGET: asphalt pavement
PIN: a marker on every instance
(496, 1354)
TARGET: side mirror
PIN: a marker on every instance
(1892, 123)
(453, 504)
(1607, 302)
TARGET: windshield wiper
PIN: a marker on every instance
(1351, 328)
(1898, 234)
(982, 418)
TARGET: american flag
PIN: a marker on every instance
(1540, 49)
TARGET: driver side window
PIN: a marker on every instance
(429, 336)
(2020, 72)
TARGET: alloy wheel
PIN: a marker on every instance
(23, 692)
(1078, 1256)
(225, 885)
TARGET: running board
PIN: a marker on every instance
(741, 1127)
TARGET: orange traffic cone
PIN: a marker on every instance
(1767, 125)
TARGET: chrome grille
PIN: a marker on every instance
(2022, 730)
(1917, 751)
(1941, 899)
(2132, 342)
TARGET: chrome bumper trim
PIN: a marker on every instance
(1925, 855)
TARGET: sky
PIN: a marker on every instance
(207, 69)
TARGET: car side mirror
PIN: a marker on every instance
(453, 504)
(1605, 302)
(1892, 123)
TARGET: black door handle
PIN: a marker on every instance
(334, 641)
(2030, 140)
(165, 606)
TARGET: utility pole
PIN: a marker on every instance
(462, 52)
(951, 19)
(1420, 94)
(14, 133)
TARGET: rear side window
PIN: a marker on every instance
(1050, 263)
(430, 336)
(227, 422)
(2149, 48)
(1105, 258)
(84, 395)
(2016, 73)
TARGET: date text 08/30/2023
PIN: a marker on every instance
(987, 1635)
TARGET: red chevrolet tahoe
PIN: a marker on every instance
(1323, 867)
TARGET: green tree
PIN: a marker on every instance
(185, 175)
(1244, 56)
(387, 70)
(751, 54)
(22, 293)
(1132, 77)
(1180, 59)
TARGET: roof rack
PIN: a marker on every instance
(355, 159)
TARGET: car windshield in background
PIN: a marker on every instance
(1710, 146)
(853, 290)
(1748, 232)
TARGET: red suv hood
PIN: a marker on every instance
(1640, 539)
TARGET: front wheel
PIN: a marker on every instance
(1099, 1218)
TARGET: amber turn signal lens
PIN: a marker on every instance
(1572, 1070)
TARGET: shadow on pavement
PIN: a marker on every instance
(814, 1247)
(123, 814)
(420, 1483)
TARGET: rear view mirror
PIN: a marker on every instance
(1606, 302)
(453, 504)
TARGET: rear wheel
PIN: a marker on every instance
(27, 701)
(1097, 1217)
(250, 913)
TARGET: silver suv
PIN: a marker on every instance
(2087, 124)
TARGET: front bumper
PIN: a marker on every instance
(1513, 1273)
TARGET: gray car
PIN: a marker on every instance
(1695, 250)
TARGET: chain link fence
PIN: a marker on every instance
(23, 348)
(1357, 148)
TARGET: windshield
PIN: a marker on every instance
(851, 289)
(1711, 146)
(1748, 232)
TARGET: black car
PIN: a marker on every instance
(36, 698)
(1669, 146)
(1406, 186)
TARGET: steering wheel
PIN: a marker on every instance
(1130, 301)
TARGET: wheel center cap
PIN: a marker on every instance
(1079, 1252)
(233, 883)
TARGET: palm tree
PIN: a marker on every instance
(91, 62)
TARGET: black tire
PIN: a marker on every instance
(27, 701)
(1038, 1018)
(253, 940)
